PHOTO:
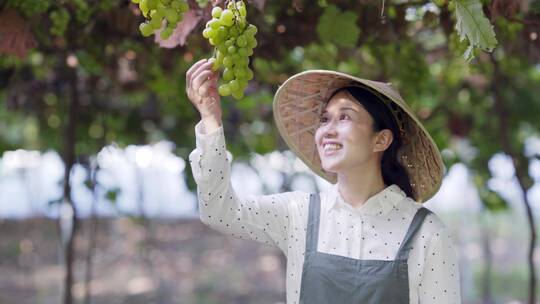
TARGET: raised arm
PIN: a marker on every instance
(261, 218)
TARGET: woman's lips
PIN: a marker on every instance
(331, 152)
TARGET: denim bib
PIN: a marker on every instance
(329, 278)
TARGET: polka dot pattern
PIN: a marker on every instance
(373, 231)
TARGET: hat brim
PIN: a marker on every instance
(298, 104)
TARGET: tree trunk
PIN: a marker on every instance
(69, 160)
(521, 170)
(92, 170)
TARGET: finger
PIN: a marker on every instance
(214, 77)
(208, 86)
(204, 67)
(194, 68)
(206, 89)
(202, 77)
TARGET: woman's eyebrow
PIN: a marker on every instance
(341, 109)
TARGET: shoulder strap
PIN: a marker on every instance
(406, 245)
(312, 232)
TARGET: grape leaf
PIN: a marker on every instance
(15, 37)
(338, 27)
(472, 24)
(182, 30)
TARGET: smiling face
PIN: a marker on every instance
(345, 137)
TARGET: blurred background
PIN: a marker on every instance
(98, 205)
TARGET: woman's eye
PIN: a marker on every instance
(323, 119)
(343, 115)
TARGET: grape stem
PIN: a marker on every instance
(236, 12)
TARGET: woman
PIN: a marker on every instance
(368, 239)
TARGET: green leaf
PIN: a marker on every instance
(472, 24)
(338, 27)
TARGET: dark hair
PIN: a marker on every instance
(392, 171)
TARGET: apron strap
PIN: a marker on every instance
(405, 248)
(312, 232)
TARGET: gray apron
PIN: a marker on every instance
(329, 278)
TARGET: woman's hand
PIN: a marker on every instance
(201, 89)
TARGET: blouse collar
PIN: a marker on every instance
(380, 203)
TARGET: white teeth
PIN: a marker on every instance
(329, 147)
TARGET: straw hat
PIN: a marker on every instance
(298, 105)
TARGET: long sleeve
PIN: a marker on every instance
(440, 279)
(264, 219)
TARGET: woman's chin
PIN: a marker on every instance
(330, 168)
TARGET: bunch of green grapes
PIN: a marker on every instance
(234, 40)
(158, 12)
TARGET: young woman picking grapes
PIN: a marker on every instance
(366, 240)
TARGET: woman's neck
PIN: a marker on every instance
(356, 187)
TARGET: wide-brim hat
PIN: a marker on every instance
(300, 100)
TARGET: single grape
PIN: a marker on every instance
(216, 12)
(166, 33)
(212, 34)
(231, 49)
(242, 24)
(238, 94)
(252, 43)
(249, 74)
(143, 6)
(224, 90)
(227, 17)
(233, 85)
(155, 23)
(206, 32)
(239, 72)
(228, 74)
(171, 15)
(242, 10)
(241, 41)
(227, 61)
(214, 24)
(222, 32)
(242, 51)
(146, 29)
(228, 43)
(251, 30)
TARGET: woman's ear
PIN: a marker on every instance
(383, 140)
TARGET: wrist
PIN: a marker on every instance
(210, 123)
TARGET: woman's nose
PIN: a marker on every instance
(329, 130)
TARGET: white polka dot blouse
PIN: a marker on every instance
(372, 231)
